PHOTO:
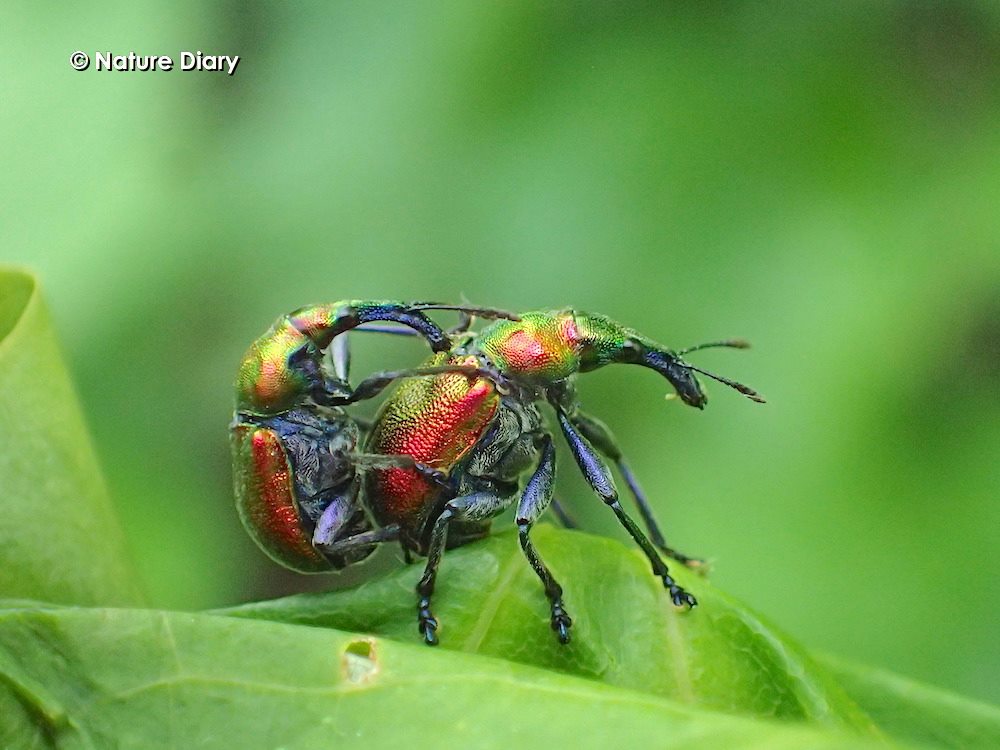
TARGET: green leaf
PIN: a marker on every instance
(916, 712)
(625, 632)
(59, 538)
(75, 678)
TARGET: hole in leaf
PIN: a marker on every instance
(359, 661)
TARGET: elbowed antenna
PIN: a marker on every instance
(746, 390)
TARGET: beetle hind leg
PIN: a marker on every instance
(477, 506)
(562, 515)
(344, 535)
(598, 476)
(536, 498)
(357, 547)
(560, 621)
(600, 437)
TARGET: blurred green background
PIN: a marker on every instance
(821, 178)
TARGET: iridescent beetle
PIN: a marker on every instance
(294, 446)
(483, 433)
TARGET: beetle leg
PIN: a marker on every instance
(486, 313)
(477, 506)
(323, 323)
(343, 533)
(598, 434)
(401, 461)
(378, 382)
(334, 518)
(599, 477)
(464, 323)
(536, 498)
(468, 313)
(466, 316)
(364, 539)
(563, 515)
(390, 329)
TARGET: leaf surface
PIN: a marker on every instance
(75, 678)
(625, 633)
(917, 712)
(59, 538)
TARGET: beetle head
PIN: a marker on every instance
(602, 341)
(678, 372)
(681, 374)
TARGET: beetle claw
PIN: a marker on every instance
(427, 624)
(561, 623)
(427, 630)
(682, 598)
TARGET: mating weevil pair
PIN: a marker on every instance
(447, 451)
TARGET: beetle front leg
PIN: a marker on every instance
(477, 506)
(601, 438)
(379, 381)
(599, 477)
(536, 498)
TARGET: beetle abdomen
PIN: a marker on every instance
(265, 498)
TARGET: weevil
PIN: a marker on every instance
(485, 432)
(295, 450)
